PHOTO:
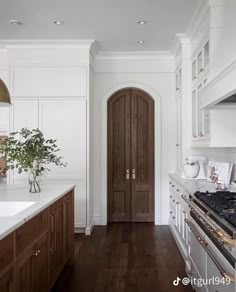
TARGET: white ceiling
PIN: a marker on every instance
(113, 23)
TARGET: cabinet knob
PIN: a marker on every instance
(170, 197)
(170, 182)
(35, 254)
(177, 190)
(171, 212)
(173, 217)
(173, 186)
(173, 201)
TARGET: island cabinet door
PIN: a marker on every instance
(69, 226)
(56, 240)
(32, 268)
(6, 281)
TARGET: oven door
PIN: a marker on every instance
(209, 263)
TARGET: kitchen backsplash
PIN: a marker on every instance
(221, 155)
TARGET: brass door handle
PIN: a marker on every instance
(127, 173)
(133, 174)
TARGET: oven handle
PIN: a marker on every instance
(218, 234)
(204, 245)
(189, 202)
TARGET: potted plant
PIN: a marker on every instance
(28, 151)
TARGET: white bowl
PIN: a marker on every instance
(191, 170)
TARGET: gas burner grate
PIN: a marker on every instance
(223, 203)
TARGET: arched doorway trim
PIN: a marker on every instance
(158, 159)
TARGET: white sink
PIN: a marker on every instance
(9, 209)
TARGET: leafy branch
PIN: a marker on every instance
(28, 150)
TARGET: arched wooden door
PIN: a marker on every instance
(130, 156)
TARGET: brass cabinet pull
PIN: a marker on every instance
(133, 174)
(35, 253)
(127, 173)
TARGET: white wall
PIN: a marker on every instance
(155, 75)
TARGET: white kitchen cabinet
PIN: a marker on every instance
(65, 121)
(184, 226)
(23, 114)
(179, 132)
(200, 119)
(178, 212)
(46, 81)
(200, 62)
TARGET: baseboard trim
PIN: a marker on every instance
(79, 230)
(89, 229)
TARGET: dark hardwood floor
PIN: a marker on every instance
(131, 257)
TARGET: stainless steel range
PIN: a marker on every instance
(215, 214)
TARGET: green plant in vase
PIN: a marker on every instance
(28, 151)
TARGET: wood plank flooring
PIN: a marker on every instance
(129, 257)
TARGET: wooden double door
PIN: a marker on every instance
(130, 156)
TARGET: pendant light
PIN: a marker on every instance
(5, 99)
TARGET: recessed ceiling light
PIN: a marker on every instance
(16, 22)
(142, 22)
(58, 22)
(140, 42)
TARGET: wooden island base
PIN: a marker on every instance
(33, 256)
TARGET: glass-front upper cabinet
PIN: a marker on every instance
(206, 54)
(200, 62)
(200, 117)
(178, 80)
(194, 114)
(194, 70)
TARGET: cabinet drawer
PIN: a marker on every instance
(6, 251)
(30, 231)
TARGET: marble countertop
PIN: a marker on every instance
(193, 185)
(17, 193)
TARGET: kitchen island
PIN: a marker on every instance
(36, 236)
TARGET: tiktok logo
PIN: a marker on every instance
(176, 282)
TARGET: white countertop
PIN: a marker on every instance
(17, 193)
(193, 185)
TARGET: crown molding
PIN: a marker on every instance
(45, 43)
(135, 55)
(179, 40)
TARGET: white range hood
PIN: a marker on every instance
(221, 89)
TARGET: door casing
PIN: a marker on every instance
(101, 217)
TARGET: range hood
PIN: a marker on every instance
(221, 89)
